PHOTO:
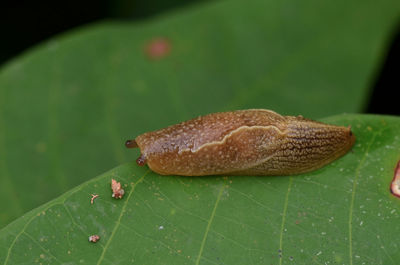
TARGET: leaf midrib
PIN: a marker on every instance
(118, 222)
(353, 193)
(210, 220)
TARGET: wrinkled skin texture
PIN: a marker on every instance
(244, 142)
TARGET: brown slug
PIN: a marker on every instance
(243, 142)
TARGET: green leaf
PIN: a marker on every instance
(343, 213)
(68, 105)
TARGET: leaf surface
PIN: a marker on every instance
(68, 105)
(343, 213)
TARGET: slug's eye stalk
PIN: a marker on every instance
(141, 161)
(131, 144)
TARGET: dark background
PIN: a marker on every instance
(24, 24)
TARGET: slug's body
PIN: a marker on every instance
(244, 142)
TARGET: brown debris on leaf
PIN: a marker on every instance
(118, 192)
(94, 196)
(94, 238)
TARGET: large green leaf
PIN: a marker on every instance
(67, 106)
(343, 213)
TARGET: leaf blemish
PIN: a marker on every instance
(158, 48)
(395, 185)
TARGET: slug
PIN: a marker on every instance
(243, 142)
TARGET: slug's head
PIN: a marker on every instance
(141, 160)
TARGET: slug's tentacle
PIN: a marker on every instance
(131, 144)
(141, 160)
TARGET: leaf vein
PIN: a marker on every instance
(350, 224)
(40, 246)
(285, 206)
(176, 206)
(210, 220)
(250, 198)
(118, 222)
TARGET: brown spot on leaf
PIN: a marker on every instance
(395, 185)
(158, 48)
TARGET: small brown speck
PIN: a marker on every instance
(94, 238)
(158, 48)
(118, 192)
